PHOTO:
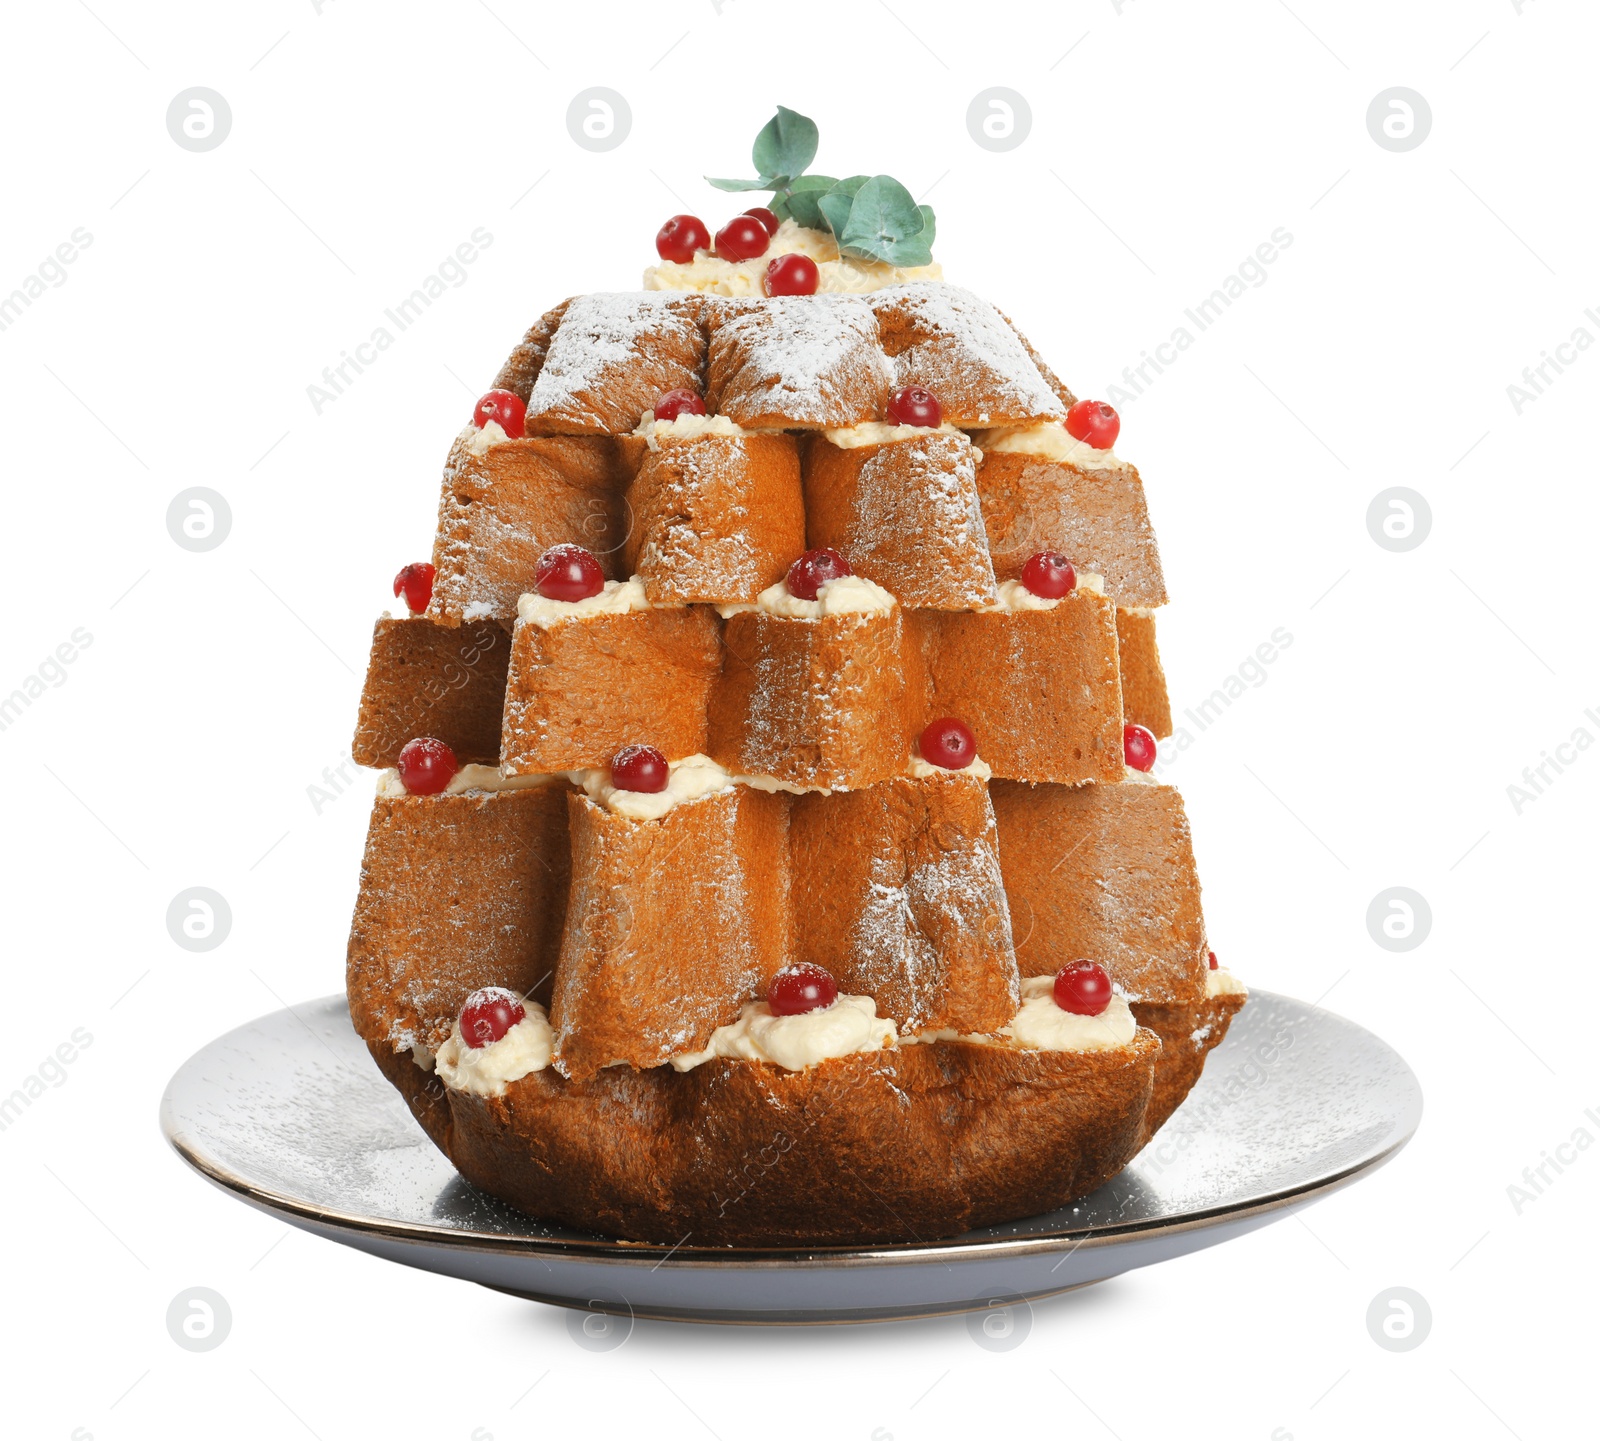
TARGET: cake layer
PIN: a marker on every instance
(523, 365)
(672, 925)
(423, 679)
(502, 507)
(1144, 682)
(457, 892)
(897, 891)
(715, 517)
(1104, 873)
(579, 690)
(904, 514)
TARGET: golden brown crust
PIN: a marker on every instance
(500, 511)
(715, 518)
(1189, 1033)
(1060, 388)
(672, 925)
(1039, 688)
(612, 357)
(1144, 682)
(896, 890)
(905, 515)
(1096, 518)
(813, 702)
(903, 1144)
(797, 360)
(1104, 873)
(457, 892)
(524, 363)
(425, 679)
(580, 690)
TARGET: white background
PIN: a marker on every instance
(367, 142)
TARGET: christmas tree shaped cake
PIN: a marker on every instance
(767, 850)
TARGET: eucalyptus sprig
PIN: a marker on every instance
(872, 217)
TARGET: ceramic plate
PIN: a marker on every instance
(290, 1114)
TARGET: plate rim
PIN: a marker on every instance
(615, 1251)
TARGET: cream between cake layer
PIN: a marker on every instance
(848, 595)
(919, 769)
(1015, 596)
(878, 432)
(836, 273)
(1041, 1025)
(486, 1070)
(1223, 982)
(468, 778)
(479, 439)
(616, 597)
(690, 779)
(683, 427)
(849, 1025)
(1051, 440)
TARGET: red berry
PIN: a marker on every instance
(426, 766)
(568, 572)
(915, 405)
(504, 407)
(674, 403)
(948, 743)
(767, 217)
(814, 570)
(680, 237)
(1083, 988)
(1094, 423)
(1049, 574)
(742, 238)
(1211, 959)
(794, 274)
(488, 1014)
(415, 582)
(800, 988)
(639, 768)
(1138, 747)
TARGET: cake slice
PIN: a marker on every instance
(1144, 682)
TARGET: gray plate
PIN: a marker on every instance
(289, 1114)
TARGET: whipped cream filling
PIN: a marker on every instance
(849, 1025)
(1041, 1025)
(878, 432)
(616, 597)
(920, 769)
(468, 778)
(683, 427)
(487, 1070)
(1051, 440)
(690, 779)
(1223, 982)
(478, 439)
(1015, 596)
(1130, 776)
(836, 273)
(849, 595)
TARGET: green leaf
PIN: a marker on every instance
(915, 250)
(801, 202)
(767, 182)
(883, 215)
(786, 145)
(927, 227)
(849, 185)
(835, 210)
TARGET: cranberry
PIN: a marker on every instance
(680, 237)
(742, 238)
(767, 217)
(1049, 574)
(1138, 747)
(1083, 988)
(568, 572)
(503, 407)
(793, 275)
(1211, 959)
(814, 570)
(1094, 423)
(915, 405)
(948, 743)
(639, 768)
(415, 582)
(426, 766)
(674, 403)
(801, 988)
(488, 1014)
